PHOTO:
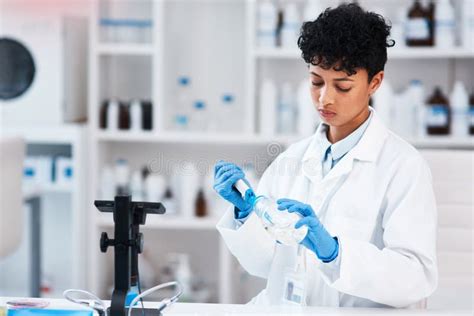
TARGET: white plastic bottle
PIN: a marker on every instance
(183, 104)
(136, 115)
(113, 115)
(398, 31)
(280, 224)
(182, 273)
(227, 109)
(268, 108)
(468, 24)
(308, 119)
(154, 188)
(417, 99)
(188, 188)
(291, 26)
(122, 176)
(312, 10)
(286, 110)
(445, 24)
(136, 186)
(383, 103)
(107, 183)
(267, 18)
(459, 102)
(199, 118)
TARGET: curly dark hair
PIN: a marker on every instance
(346, 38)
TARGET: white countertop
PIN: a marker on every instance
(234, 309)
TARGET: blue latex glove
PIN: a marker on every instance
(226, 174)
(318, 239)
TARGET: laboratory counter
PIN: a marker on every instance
(235, 309)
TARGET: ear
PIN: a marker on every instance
(376, 82)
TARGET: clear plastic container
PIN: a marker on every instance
(280, 224)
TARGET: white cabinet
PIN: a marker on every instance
(61, 221)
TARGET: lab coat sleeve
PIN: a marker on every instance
(405, 270)
(248, 241)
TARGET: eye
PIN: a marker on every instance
(343, 90)
(317, 84)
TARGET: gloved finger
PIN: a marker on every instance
(311, 222)
(226, 177)
(226, 180)
(226, 168)
(303, 209)
(233, 179)
(285, 205)
(285, 200)
(249, 194)
(220, 164)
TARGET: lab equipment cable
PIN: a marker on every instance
(164, 303)
(90, 300)
(140, 291)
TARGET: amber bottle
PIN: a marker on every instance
(439, 114)
(418, 26)
(124, 116)
(103, 114)
(200, 204)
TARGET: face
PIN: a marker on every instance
(342, 100)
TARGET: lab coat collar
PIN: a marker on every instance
(367, 149)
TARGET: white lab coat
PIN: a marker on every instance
(382, 210)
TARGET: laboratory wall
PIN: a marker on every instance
(144, 97)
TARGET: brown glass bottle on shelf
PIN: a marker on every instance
(471, 114)
(431, 21)
(103, 114)
(418, 26)
(438, 120)
(147, 115)
(124, 116)
(201, 205)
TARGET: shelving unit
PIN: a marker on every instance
(63, 219)
(174, 52)
(393, 53)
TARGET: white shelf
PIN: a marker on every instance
(125, 49)
(48, 188)
(259, 140)
(406, 53)
(59, 134)
(167, 222)
(443, 142)
(196, 138)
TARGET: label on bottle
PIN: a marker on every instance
(437, 116)
(471, 116)
(418, 29)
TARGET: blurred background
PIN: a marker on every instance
(144, 96)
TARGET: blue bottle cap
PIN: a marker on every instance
(181, 119)
(200, 105)
(228, 98)
(183, 81)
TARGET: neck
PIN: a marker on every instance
(336, 133)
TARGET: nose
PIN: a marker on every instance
(326, 96)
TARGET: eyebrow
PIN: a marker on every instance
(337, 79)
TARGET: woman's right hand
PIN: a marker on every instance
(226, 174)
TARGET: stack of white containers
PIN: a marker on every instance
(407, 113)
(287, 112)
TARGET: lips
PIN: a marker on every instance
(326, 113)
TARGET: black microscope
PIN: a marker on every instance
(127, 243)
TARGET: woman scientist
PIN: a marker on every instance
(364, 193)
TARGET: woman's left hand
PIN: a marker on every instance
(317, 239)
